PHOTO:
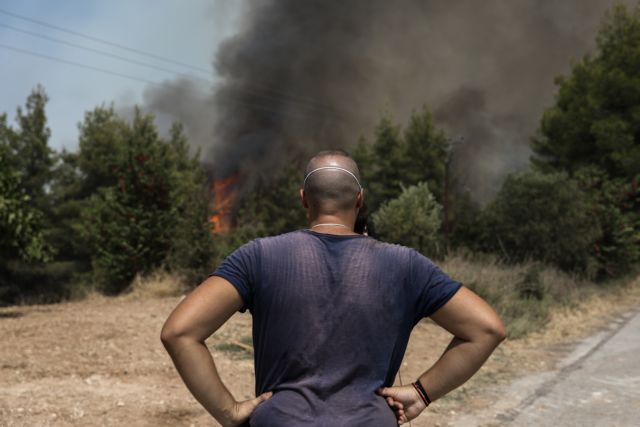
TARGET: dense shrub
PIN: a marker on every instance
(615, 205)
(413, 219)
(543, 217)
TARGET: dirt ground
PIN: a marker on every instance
(100, 362)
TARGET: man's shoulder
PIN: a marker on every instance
(300, 236)
(405, 255)
(283, 237)
(392, 248)
(277, 239)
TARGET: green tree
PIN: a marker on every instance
(194, 249)
(593, 133)
(151, 210)
(596, 116)
(66, 201)
(30, 151)
(425, 153)
(273, 206)
(381, 163)
(79, 175)
(412, 219)
(20, 224)
(543, 217)
(397, 159)
(102, 146)
(25, 168)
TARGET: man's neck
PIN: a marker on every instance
(332, 224)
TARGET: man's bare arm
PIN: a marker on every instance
(198, 316)
(477, 331)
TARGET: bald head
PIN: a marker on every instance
(332, 182)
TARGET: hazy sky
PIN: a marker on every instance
(183, 31)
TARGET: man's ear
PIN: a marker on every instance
(360, 199)
(303, 199)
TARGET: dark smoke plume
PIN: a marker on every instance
(300, 76)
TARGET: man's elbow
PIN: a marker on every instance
(497, 332)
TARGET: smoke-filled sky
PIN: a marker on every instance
(299, 76)
(291, 77)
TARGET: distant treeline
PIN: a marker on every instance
(130, 201)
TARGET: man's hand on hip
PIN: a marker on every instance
(241, 411)
(404, 400)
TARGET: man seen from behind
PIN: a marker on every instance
(332, 314)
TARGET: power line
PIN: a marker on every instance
(262, 93)
(252, 105)
(318, 116)
(101, 52)
(256, 89)
(107, 42)
(77, 64)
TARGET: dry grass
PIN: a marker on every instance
(159, 284)
(582, 316)
(528, 295)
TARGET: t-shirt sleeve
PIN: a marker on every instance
(434, 287)
(240, 268)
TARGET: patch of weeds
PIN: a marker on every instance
(526, 315)
(247, 340)
(531, 285)
(230, 347)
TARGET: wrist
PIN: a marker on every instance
(227, 413)
(419, 402)
(422, 393)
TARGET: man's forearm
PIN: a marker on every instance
(198, 371)
(458, 363)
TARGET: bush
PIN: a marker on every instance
(543, 217)
(616, 206)
(412, 219)
(36, 283)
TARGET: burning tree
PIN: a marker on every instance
(225, 193)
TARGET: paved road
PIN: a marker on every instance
(599, 386)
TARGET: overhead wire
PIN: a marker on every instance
(77, 64)
(276, 112)
(103, 41)
(98, 51)
(253, 89)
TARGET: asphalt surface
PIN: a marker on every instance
(598, 385)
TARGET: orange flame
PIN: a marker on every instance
(224, 195)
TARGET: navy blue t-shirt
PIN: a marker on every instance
(332, 315)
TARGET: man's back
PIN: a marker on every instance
(332, 315)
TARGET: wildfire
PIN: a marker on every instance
(224, 195)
